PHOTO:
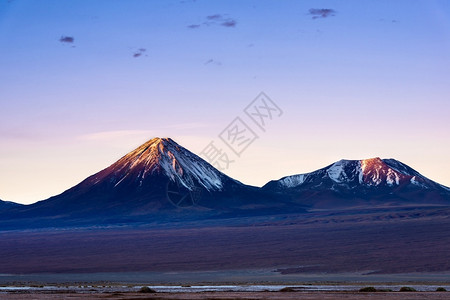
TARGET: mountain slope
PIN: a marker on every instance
(160, 180)
(361, 182)
(5, 205)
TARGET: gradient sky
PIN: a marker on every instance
(371, 78)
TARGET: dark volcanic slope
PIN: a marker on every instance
(159, 180)
(367, 182)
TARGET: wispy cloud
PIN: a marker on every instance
(212, 61)
(139, 52)
(188, 126)
(140, 134)
(117, 134)
(387, 20)
(19, 134)
(215, 20)
(322, 12)
(214, 17)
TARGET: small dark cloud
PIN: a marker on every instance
(322, 12)
(216, 19)
(139, 52)
(384, 20)
(212, 62)
(67, 39)
(193, 26)
(229, 23)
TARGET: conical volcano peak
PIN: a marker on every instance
(163, 157)
(152, 151)
(160, 143)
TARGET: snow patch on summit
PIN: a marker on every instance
(336, 172)
(179, 164)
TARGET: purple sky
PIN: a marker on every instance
(84, 82)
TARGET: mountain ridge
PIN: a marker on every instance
(364, 168)
(359, 180)
(5, 205)
(163, 181)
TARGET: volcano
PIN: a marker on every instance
(160, 180)
(367, 182)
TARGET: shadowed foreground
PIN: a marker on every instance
(240, 295)
(413, 241)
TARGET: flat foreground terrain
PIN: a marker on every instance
(382, 242)
(238, 295)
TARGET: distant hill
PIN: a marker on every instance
(6, 205)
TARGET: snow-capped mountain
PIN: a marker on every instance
(162, 156)
(160, 174)
(160, 179)
(359, 181)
